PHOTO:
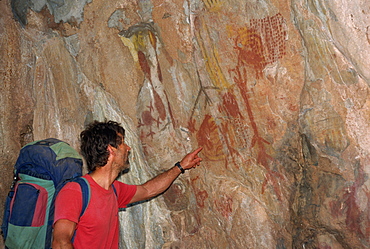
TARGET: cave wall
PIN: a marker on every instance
(276, 92)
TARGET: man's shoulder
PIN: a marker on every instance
(123, 186)
(73, 184)
(117, 183)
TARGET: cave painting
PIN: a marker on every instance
(209, 138)
(348, 207)
(224, 205)
(200, 195)
(260, 43)
(223, 137)
(141, 39)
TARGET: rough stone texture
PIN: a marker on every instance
(276, 92)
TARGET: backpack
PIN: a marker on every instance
(41, 170)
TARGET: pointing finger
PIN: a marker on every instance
(195, 152)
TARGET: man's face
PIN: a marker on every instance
(123, 151)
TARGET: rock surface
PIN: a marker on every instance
(276, 92)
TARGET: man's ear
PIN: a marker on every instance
(111, 150)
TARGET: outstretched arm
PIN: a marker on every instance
(160, 183)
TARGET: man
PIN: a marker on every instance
(106, 155)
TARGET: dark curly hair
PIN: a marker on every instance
(95, 140)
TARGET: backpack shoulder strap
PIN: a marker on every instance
(85, 189)
(115, 190)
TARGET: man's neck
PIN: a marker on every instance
(104, 176)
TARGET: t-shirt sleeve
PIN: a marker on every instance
(68, 203)
(125, 193)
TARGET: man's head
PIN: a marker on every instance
(96, 139)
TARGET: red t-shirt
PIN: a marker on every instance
(98, 227)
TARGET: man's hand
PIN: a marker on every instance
(191, 160)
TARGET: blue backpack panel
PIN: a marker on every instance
(42, 169)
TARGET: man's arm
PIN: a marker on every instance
(162, 182)
(62, 234)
